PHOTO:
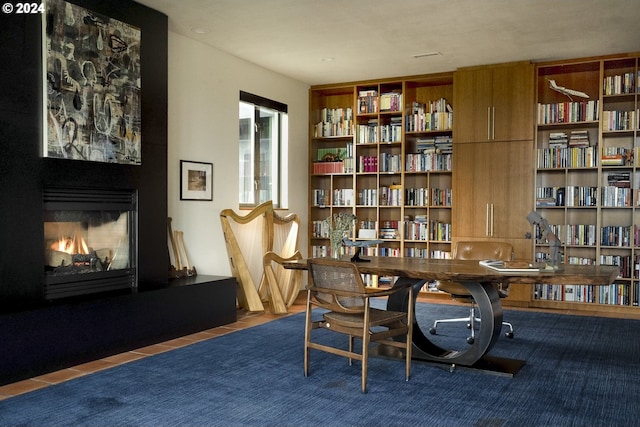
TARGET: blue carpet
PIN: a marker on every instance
(580, 371)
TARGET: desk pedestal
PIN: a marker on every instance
(475, 356)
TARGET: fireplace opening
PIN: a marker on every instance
(89, 241)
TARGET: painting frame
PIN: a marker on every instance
(92, 97)
(196, 180)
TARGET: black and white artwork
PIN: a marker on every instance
(92, 86)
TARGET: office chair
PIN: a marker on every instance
(475, 250)
(337, 286)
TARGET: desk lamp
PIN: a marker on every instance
(359, 245)
(534, 218)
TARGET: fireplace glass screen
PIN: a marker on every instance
(88, 242)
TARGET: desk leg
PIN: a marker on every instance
(490, 308)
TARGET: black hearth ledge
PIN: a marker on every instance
(65, 333)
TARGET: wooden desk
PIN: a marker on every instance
(480, 281)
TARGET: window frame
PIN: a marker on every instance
(280, 110)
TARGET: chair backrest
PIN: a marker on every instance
(330, 282)
(483, 249)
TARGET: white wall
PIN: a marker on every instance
(204, 86)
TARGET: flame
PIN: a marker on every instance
(71, 245)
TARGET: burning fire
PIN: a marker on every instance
(71, 245)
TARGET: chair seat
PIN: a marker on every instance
(377, 317)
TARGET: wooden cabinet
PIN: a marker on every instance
(493, 144)
(494, 103)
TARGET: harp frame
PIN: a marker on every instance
(278, 243)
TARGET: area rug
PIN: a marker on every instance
(579, 371)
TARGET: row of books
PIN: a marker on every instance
(425, 162)
(615, 294)
(417, 252)
(390, 162)
(336, 115)
(368, 133)
(578, 157)
(391, 195)
(441, 144)
(391, 132)
(622, 236)
(620, 120)
(320, 168)
(391, 101)
(334, 122)
(426, 197)
(367, 164)
(572, 196)
(426, 122)
(616, 235)
(418, 229)
(368, 197)
(620, 84)
(568, 112)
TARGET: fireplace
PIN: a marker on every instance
(89, 241)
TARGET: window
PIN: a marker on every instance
(262, 144)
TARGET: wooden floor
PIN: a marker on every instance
(244, 320)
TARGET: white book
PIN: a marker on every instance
(509, 266)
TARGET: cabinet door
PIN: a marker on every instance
(472, 98)
(492, 189)
(511, 172)
(494, 103)
(471, 190)
(513, 103)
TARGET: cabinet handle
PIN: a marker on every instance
(493, 123)
(491, 219)
(486, 222)
(488, 126)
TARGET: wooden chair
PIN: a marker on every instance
(257, 244)
(475, 250)
(337, 286)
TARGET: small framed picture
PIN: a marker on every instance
(196, 180)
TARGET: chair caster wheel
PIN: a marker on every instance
(468, 325)
(508, 335)
(470, 340)
(432, 330)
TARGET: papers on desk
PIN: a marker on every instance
(509, 266)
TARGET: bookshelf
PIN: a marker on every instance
(588, 176)
(392, 169)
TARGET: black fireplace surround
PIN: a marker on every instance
(39, 334)
(25, 173)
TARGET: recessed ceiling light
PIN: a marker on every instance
(199, 30)
(424, 55)
(327, 59)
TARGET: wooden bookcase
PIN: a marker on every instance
(393, 168)
(588, 176)
(501, 151)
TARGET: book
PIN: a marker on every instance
(509, 266)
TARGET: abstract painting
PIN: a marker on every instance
(92, 86)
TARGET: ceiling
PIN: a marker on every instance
(330, 41)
